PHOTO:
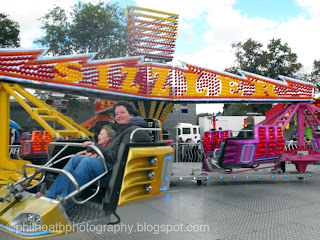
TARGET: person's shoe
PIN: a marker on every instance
(214, 164)
(39, 194)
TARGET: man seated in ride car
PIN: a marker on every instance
(85, 168)
(246, 132)
(248, 129)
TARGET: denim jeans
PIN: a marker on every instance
(83, 170)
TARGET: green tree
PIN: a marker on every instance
(316, 69)
(89, 28)
(248, 57)
(315, 74)
(105, 31)
(74, 103)
(202, 115)
(243, 109)
(57, 36)
(9, 32)
(277, 59)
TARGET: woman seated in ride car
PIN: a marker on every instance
(85, 168)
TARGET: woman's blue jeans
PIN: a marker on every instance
(83, 170)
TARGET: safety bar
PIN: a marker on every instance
(56, 170)
(143, 129)
(68, 144)
(215, 154)
(50, 162)
(97, 150)
(55, 156)
(75, 192)
(245, 132)
(42, 177)
(69, 175)
(59, 160)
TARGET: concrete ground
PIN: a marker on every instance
(279, 208)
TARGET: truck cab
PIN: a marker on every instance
(189, 131)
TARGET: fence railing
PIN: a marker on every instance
(188, 152)
(14, 151)
(291, 145)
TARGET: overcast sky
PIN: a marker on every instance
(207, 28)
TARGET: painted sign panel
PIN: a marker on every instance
(133, 78)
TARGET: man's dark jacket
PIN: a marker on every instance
(122, 135)
(247, 134)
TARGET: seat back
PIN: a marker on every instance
(35, 144)
(267, 145)
(213, 139)
(136, 175)
(156, 136)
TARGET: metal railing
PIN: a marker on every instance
(189, 152)
(47, 168)
(149, 130)
(291, 145)
(14, 151)
(193, 152)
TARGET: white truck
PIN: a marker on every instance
(233, 123)
(188, 131)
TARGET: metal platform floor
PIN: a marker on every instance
(258, 209)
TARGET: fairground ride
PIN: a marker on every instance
(143, 170)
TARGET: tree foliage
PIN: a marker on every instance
(315, 74)
(316, 69)
(56, 28)
(74, 103)
(9, 32)
(89, 28)
(202, 115)
(243, 109)
(277, 59)
(248, 56)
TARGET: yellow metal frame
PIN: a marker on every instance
(53, 219)
(10, 169)
(71, 127)
(135, 177)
